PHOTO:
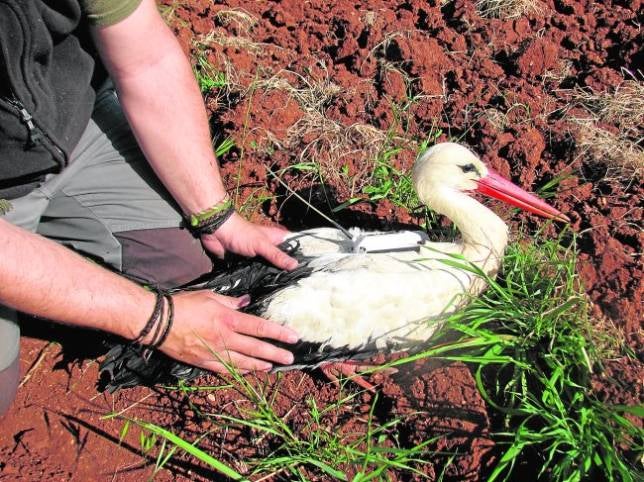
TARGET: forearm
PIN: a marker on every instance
(160, 97)
(43, 278)
(163, 104)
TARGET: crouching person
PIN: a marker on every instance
(105, 155)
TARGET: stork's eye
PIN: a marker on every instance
(468, 168)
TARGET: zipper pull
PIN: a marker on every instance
(34, 135)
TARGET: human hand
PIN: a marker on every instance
(242, 237)
(208, 330)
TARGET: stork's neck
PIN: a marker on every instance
(484, 234)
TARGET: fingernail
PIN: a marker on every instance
(291, 264)
(244, 301)
(292, 338)
(264, 367)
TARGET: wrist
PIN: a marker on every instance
(200, 201)
(196, 219)
(145, 302)
(206, 222)
(157, 328)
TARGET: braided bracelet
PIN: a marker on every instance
(214, 223)
(169, 321)
(154, 318)
(208, 220)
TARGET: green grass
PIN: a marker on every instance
(387, 182)
(224, 147)
(395, 185)
(390, 183)
(382, 179)
(208, 77)
(317, 447)
(536, 354)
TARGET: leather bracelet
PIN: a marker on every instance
(169, 320)
(163, 321)
(154, 317)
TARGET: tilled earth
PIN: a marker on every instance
(335, 83)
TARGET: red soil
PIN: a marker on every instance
(462, 66)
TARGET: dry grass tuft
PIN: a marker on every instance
(312, 96)
(234, 41)
(244, 20)
(622, 156)
(497, 118)
(321, 141)
(169, 13)
(328, 144)
(507, 9)
(623, 108)
(557, 75)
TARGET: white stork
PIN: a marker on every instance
(353, 297)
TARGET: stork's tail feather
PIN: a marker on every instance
(125, 366)
(309, 356)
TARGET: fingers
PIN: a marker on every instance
(261, 349)
(241, 237)
(237, 361)
(224, 334)
(276, 256)
(261, 328)
(239, 346)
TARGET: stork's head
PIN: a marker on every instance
(453, 167)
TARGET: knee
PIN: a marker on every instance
(168, 257)
(9, 378)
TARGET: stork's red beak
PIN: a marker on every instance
(495, 186)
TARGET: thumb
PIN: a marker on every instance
(213, 245)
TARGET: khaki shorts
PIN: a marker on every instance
(108, 205)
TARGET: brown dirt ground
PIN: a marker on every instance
(502, 86)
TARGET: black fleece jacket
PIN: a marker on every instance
(46, 93)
